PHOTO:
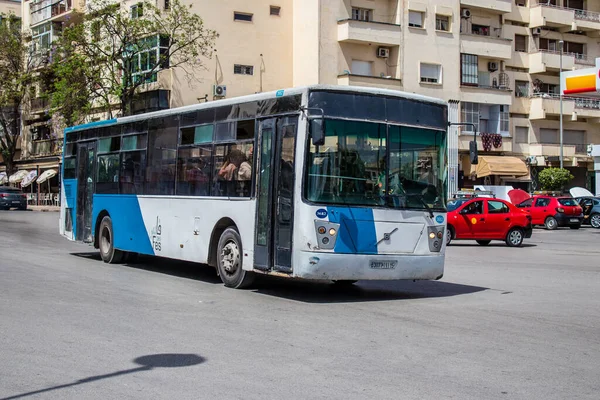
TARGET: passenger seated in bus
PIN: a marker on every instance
(229, 171)
(245, 172)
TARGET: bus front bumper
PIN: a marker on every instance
(331, 266)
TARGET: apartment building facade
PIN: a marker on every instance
(496, 61)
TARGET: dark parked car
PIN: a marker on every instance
(591, 210)
(12, 198)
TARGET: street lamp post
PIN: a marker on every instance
(561, 44)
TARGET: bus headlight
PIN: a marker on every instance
(436, 235)
(326, 234)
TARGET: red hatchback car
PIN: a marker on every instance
(553, 212)
(487, 219)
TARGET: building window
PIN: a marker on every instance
(151, 55)
(238, 16)
(480, 30)
(42, 36)
(442, 23)
(548, 136)
(431, 73)
(504, 119)
(469, 114)
(521, 134)
(469, 69)
(521, 89)
(415, 19)
(364, 68)
(275, 10)
(137, 11)
(243, 69)
(521, 43)
(362, 14)
(167, 4)
(521, 3)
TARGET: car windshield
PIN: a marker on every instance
(454, 204)
(353, 168)
(567, 202)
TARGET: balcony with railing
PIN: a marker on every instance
(543, 60)
(348, 79)
(490, 45)
(363, 32)
(551, 149)
(56, 10)
(548, 104)
(47, 147)
(545, 14)
(498, 6)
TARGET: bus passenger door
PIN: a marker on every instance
(86, 157)
(275, 196)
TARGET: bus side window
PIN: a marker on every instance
(162, 156)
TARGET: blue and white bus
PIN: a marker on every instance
(321, 182)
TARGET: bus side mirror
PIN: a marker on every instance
(473, 152)
(317, 131)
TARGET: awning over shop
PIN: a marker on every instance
(29, 179)
(48, 174)
(500, 166)
(18, 176)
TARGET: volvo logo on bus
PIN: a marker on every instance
(321, 213)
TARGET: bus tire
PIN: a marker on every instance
(109, 254)
(230, 258)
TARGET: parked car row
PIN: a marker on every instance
(481, 217)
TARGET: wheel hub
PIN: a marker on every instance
(595, 222)
(230, 257)
(515, 237)
(105, 240)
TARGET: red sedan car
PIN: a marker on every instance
(485, 219)
(553, 212)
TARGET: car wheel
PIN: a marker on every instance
(449, 234)
(483, 242)
(108, 252)
(551, 223)
(230, 260)
(514, 238)
(595, 220)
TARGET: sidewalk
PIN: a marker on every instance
(44, 208)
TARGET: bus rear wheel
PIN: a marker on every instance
(230, 260)
(108, 252)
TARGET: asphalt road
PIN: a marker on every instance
(502, 324)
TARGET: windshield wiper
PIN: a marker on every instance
(422, 201)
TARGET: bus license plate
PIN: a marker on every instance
(383, 264)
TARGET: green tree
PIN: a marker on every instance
(554, 178)
(15, 77)
(108, 54)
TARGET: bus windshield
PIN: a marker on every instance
(378, 164)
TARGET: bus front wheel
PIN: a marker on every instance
(108, 252)
(229, 260)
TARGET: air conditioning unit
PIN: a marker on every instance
(531, 160)
(536, 31)
(493, 66)
(465, 13)
(219, 90)
(383, 52)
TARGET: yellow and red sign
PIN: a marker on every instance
(580, 84)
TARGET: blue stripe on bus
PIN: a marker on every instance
(128, 223)
(70, 189)
(357, 230)
(91, 125)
